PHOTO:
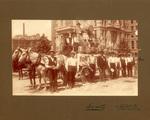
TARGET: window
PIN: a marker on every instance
(132, 28)
(136, 27)
(94, 22)
(132, 36)
(131, 21)
(132, 44)
(95, 33)
(61, 23)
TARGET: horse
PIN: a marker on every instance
(32, 59)
(42, 71)
(61, 68)
(15, 57)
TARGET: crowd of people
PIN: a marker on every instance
(123, 65)
(119, 65)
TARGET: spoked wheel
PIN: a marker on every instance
(107, 72)
(85, 74)
(100, 74)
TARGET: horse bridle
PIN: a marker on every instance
(28, 60)
(17, 56)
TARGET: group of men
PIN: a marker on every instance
(119, 65)
(123, 65)
(79, 33)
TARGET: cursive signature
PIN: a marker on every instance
(141, 59)
(133, 107)
(92, 107)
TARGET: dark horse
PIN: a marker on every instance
(31, 59)
(15, 58)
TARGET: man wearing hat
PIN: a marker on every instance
(129, 64)
(67, 39)
(118, 61)
(101, 63)
(78, 31)
(52, 72)
(92, 63)
(112, 65)
(75, 41)
(71, 67)
(123, 64)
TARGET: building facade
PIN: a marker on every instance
(108, 33)
(25, 41)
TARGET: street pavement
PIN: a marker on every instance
(123, 86)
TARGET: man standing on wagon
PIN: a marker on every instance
(78, 31)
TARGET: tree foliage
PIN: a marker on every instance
(43, 45)
(123, 47)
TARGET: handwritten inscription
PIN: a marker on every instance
(141, 59)
(92, 107)
(133, 107)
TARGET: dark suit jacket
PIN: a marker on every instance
(101, 61)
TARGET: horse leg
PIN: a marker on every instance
(30, 77)
(33, 73)
(39, 86)
(55, 81)
(44, 78)
(65, 79)
(21, 73)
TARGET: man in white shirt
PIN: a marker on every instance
(92, 63)
(129, 65)
(71, 67)
(118, 65)
(112, 65)
(123, 64)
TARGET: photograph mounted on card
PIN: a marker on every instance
(75, 57)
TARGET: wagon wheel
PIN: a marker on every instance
(85, 74)
(107, 72)
(100, 74)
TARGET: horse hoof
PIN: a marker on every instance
(38, 87)
(45, 89)
(30, 85)
(51, 92)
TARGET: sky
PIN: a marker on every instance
(32, 27)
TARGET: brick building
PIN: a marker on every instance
(25, 41)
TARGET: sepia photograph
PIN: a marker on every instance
(74, 57)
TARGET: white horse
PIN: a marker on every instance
(36, 63)
(15, 57)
